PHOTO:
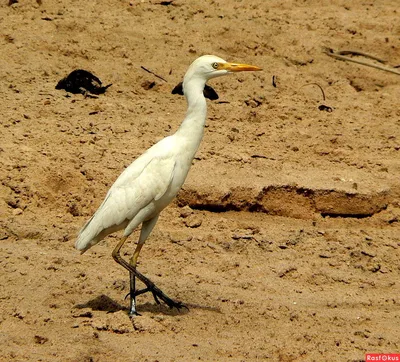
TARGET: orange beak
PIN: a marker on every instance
(236, 67)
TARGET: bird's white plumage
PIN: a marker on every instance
(146, 186)
(150, 183)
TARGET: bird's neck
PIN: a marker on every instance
(192, 127)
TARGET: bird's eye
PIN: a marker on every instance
(215, 65)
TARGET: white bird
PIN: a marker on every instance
(152, 181)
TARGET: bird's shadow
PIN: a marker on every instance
(102, 303)
(106, 304)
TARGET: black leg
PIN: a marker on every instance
(158, 294)
(132, 293)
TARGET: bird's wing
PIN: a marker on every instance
(125, 199)
(131, 193)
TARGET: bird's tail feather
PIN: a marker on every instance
(86, 237)
(93, 232)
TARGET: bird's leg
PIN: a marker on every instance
(147, 227)
(132, 278)
(132, 290)
(150, 286)
(131, 268)
(134, 273)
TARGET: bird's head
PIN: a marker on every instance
(210, 66)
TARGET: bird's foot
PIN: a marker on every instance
(133, 312)
(158, 295)
(136, 293)
(133, 294)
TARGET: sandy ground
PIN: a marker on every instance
(284, 242)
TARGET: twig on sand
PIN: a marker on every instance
(274, 77)
(151, 72)
(322, 91)
(342, 56)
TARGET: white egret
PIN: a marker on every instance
(151, 182)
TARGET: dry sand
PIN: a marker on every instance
(284, 242)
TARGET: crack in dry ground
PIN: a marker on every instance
(290, 201)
